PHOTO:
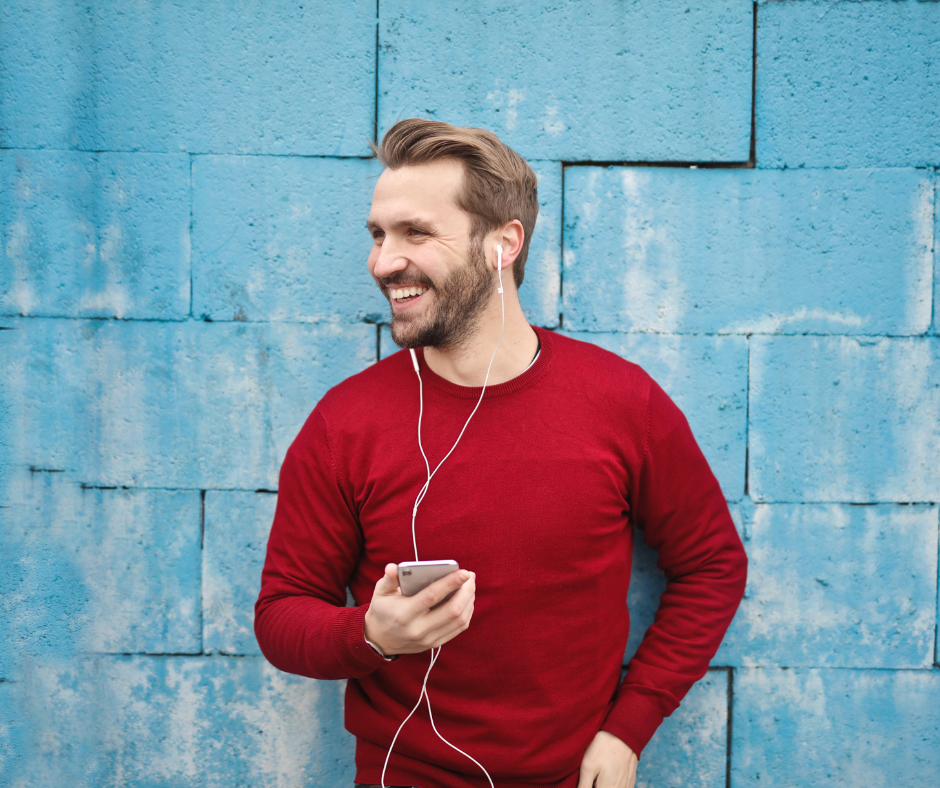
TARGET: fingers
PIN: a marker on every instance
(452, 617)
(587, 776)
(439, 589)
(388, 583)
(455, 624)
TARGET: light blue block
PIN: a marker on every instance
(848, 84)
(94, 234)
(278, 77)
(690, 748)
(633, 81)
(707, 378)
(235, 540)
(90, 570)
(840, 728)
(206, 722)
(283, 238)
(844, 419)
(837, 586)
(747, 251)
(540, 294)
(193, 405)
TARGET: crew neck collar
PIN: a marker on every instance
(527, 378)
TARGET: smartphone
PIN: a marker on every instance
(413, 576)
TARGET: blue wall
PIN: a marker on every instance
(742, 198)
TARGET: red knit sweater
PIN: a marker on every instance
(538, 499)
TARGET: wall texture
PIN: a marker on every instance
(740, 197)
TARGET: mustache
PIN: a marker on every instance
(399, 280)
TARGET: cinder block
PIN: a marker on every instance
(540, 294)
(234, 544)
(844, 419)
(206, 722)
(204, 77)
(609, 81)
(747, 251)
(193, 404)
(277, 238)
(835, 728)
(690, 747)
(837, 586)
(707, 379)
(94, 234)
(825, 101)
(96, 570)
(47, 68)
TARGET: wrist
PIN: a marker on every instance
(373, 643)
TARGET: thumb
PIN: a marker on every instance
(388, 583)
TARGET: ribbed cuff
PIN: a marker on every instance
(633, 719)
(356, 656)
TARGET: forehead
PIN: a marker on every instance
(428, 190)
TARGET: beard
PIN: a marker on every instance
(451, 318)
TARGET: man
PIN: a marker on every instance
(536, 498)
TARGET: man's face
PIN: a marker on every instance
(435, 277)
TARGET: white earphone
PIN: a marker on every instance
(435, 653)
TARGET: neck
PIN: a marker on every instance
(466, 365)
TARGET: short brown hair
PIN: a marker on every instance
(499, 185)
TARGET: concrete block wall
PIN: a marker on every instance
(740, 197)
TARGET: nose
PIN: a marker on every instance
(387, 258)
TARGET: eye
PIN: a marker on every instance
(377, 236)
(414, 231)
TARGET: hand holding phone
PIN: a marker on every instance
(423, 609)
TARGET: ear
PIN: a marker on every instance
(510, 236)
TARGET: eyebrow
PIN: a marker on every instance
(411, 222)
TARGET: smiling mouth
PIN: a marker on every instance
(404, 294)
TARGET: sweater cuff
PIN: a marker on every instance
(633, 719)
(356, 656)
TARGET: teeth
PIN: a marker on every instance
(405, 292)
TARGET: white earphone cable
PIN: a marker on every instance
(414, 513)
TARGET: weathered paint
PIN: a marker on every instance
(282, 77)
(744, 252)
(94, 234)
(154, 404)
(607, 81)
(837, 586)
(848, 84)
(846, 728)
(169, 721)
(844, 419)
(237, 525)
(97, 570)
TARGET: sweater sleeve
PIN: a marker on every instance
(301, 621)
(679, 505)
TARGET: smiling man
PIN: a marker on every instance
(525, 456)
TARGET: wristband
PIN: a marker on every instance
(377, 651)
